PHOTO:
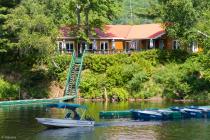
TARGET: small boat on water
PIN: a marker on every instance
(205, 110)
(146, 115)
(189, 112)
(72, 118)
(169, 114)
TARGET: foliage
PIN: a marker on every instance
(130, 12)
(58, 66)
(91, 14)
(183, 19)
(8, 90)
(92, 85)
(119, 94)
(5, 6)
(100, 63)
(170, 74)
(33, 29)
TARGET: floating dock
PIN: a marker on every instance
(172, 113)
(115, 114)
(35, 101)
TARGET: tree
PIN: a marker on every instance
(33, 29)
(92, 14)
(5, 7)
(180, 18)
(131, 11)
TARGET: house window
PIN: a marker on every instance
(176, 45)
(69, 46)
(90, 46)
(161, 44)
(104, 45)
(133, 45)
(194, 46)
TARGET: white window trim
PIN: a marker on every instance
(103, 42)
(70, 42)
(177, 45)
(195, 46)
(133, 44)
(58, 43)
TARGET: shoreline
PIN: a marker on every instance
(155, 99)
(142, 100)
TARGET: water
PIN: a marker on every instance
(18, 122)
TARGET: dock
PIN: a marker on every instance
(35, 101)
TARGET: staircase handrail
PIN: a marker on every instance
(79, 73)
(71, 64)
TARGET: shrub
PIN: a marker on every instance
(90, 87)
(119, 94)
(58, 65)
(8, 90)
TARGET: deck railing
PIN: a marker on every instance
(79, 73)
(108, 51)
(73, 58)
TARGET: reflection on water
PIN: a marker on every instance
(65, 133)
(19, 122)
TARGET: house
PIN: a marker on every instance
(121, 38)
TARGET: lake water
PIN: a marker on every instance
(18, 122)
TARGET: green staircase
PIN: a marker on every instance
(73, 77)
(71, 90)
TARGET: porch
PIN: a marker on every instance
(110, 46)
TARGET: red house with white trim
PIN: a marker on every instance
(122, 38)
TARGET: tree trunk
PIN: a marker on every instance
(78, 18)
(87, 28)
(105, 95)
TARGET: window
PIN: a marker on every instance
(133, 45)
(161, 44)
(90, 46)
(176, 45)
(104, 45)
(69, 46)
(194, 46)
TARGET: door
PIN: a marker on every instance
(81, 48)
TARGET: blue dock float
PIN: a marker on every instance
(172, 113)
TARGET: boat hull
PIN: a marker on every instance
(170, 115)
(146, 115)
(189, 113)
(64, 123)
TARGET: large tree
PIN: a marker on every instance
(93, 14)
(33, 29)
(5, 6)
(33, 25)
(180, 17)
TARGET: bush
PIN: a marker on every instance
(58, 65)
(8, 90)
(171, 74)
(119, 94)
(91, 85)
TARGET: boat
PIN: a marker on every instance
(205, 110)
(146, 115)
(115, 114)
(169, 114)
(189, 112)
(72, 118)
